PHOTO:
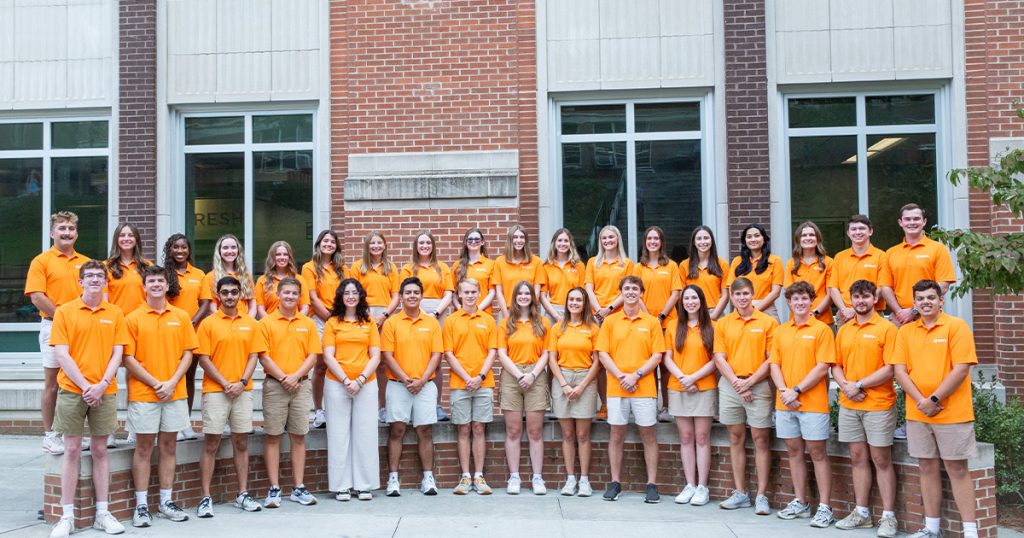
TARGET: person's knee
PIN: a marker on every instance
(396, 431)
(858, 454)
(297, 440)
(955, 468)
(928, 465)
(464, 430)
(425, 433)
(882, 459)
(582, 436)
(479, 429)
(211, 445)
(818, 451)
(73, 449)
(762, 440)
(618, 433)
(648, 434)
(737, 435)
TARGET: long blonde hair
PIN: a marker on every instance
(241, 270)
(337, 261)
(433, 253)
(574, 255)
(533, 312)
(367, 260)
(510, 251)
(270, 266)
(460, 271)
(599, 259)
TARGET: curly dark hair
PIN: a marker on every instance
(362, 308)
(173, 285)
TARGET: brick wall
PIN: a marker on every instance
(995, 78)
(137, 122)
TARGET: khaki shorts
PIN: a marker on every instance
(733, 410)
(219, 409)
(286, 410)
(72, 412)
(584, 407)
(702, 403)
(472, 406)
(875, 428)
(513, 398)
(945, 441)
(156, 417)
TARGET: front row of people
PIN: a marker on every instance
(724, 369)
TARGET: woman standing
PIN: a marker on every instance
(228, 259)
(563, 271)
(524, 383)
(124, 269)
(351, 353)
(692, 391)
(706, 270)
(810, 263)
(474, 263)
(280, 264)
(763, 268)
(322, 274)
(573, 391)
(605, 271)
(660, 275)
(185, 295)
(516, 264)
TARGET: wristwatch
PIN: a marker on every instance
(661, 317)
(797, 390)
(815, 313)
(859, 385)
(934, 398)
(244, 382)
(916, 312)
(483, 376)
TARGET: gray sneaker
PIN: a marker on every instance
(854, 521)
(302, 496)
(205, 508)
(823, 517)
(247, 503)
(795, 509)
(761, 506)
(887, 527)
(171, 511)
(141, 517)
(925, 533)
(736, 500)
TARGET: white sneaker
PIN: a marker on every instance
(664, 416)
(428, 486)
(205, 508)
(394, 487)
(514, 483)
(686, 495)
(188, 433)
(569, 489)
(181, 436)
(111, 441)
(86, 443)
(701, 496)
(319, 419)
(106, 522)
(53, 444)
(130, 440)
(539, 488)
(172, 512)
(585, 489)
(63, 528)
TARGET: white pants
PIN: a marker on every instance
(353, 460)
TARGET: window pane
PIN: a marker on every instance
(901, 170)
(204, 131)
(21, 208)
(292, 128)
(595, 119)
(79, 134)
(19, 136)
(652, 117)
(80, 184)
(214, 201)
(668, 183)
(23, 342)
(900, 109)
(822, 112)
(593, 191)
(283, 205)
(823, 185)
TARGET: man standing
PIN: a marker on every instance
(52, 281)
(867, 413)
(862, 261)
(630, 345)
(158, 354)
(88, 337)
(411, 344)
(914, 259)
(227, 355)
(933, 361)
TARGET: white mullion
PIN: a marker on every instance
(47, 184)
(248, 189)
(862, 157)
(587, 138)
(911, 128)
(668, 135)
(631, 216)
(822, 131)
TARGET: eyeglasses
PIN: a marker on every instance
(229, 293)
(474, 240)
(94, 276)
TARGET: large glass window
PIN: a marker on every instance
(632, 164)
(863, 153)
(250, 175)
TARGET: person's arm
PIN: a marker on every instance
(507, 364)
(135, 368)
(304, 309)
(670, 363)
(271, 368)
(332, 364)
(442, 307)
(201, 313)
(846, 386)
(499, 295)
(487, 300)
(556, 371)
(211, 371)
(944, 286)
(432, 364)
(813, 377)
(722, 364)
(788, 396)
(63, 354)
(390, 309)
(545, 302)
(825, 305)
(890, 299)
(317, 306)
(261, 311)
(673, 298)
(846, 312)
(723, 301)
(43, 303)
(594, 303)
(252, 307)
(456, 367)
(952, 381)
(183, 364)
(702, 372)
(392, 364)
(759, 375)
(769, 299)
(492, 353)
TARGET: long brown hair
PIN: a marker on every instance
(693, 269)
(460, 271)
(533, 312)
(510, 251)
(586, 315)
(645, 256)
(798, 251)
(707, 330)
(337, 261)
(113, 263)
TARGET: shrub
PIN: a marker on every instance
(1003, 426)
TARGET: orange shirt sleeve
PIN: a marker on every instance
(961, 344)
(889, 345)
(387, 340)
(777, 277)
(35, 281)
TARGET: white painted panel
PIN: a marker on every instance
(294, 24)
(40, 33)
(89, 32)
(573, 19)
(865, 54)
(6, 4)
(6, 34)
(630, 18)
(853, 14)
(295, 75)
(192, 26)
(923, 51)
(244, 74)
(795, 15)
(191, 77)
(630, 63)
(89, 79)
(687, 61)
(243, 25)
(6, 84)
(803, 57)
(921, 12)
(40, 82)
(574, 64)
(686, 17)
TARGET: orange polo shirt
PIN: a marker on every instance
(762, 282)
(745, 342)
(630, 342)
(523, 346)
(157, 340)
(228, 341)
(126, 292)
(288, 341)
(606, 277)
(574, 346)
(434, 285)
(469, 337)
(559, 279)
(710, 284)
(269, 299)
(482, 270)
(208, 289)
(378, 286)
(90, 336)
(326, 285)
(659, 283)
(930, 355)
(56, 275)
(860, 351)
(412, 341)
(352, 341)
(508, 274)
(906, 265)
(690, 358)
(191, 283)
(797, 349)
(848, 267)
(815, 276)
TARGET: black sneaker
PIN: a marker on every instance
(652, 497)
(613, 492)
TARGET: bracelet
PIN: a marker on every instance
(361, 378)
(565, 385)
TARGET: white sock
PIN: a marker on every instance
(428, 474)
(863, 511)
(165, 496)
(465, 475)
(69, 510)
(970, 529)
(888, 513)
(392, 476)
(514, 475)
(478, 475)
(584, 478)
(141, 498)
(537, 476)
(932, 524)
(49, 434)
(102, 506)
(570, 477)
